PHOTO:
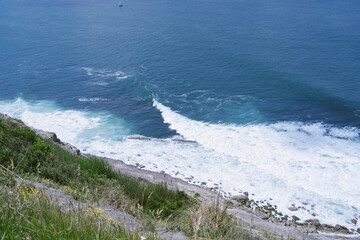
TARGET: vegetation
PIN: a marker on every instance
(23, 150)
(27, 213)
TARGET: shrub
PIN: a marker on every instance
(22, 145)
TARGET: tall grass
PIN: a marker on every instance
(210, 221)
(92, 173)
(92, 179)
(28, 215)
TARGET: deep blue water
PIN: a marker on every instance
(229, 61)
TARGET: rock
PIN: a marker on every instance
(264, 216)
(70, 148)
(293, 208)
(354, 221)
(337, 227)
(326, 226)
(341, 229)
(313, 222)
(242, 199)
(358, 230)
(158, 229)
(53, 137)
(246, 193)
(184, 141)
(239, 198)
(140, 138)
(346, 231)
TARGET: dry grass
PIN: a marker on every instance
(27, 213)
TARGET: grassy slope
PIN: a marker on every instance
(33, 216)
(92, 179)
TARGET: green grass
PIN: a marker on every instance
(33, 216)
(92, 179)
(21, 148)
(24, 151)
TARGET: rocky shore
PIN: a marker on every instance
(255, 217)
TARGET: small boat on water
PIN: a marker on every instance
(120, 4)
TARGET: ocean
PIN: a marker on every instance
(268, 90)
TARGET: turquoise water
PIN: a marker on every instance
(266, 89)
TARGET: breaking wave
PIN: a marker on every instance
(300, 163)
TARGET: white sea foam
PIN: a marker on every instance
(291, 163)
(92, 99)
(313, 163)
(345, 132)
(119, 75)
(100, 83)
(70, 125)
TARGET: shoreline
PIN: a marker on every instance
(238, 206)
(256, 220)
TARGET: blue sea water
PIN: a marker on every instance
(269, 90)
